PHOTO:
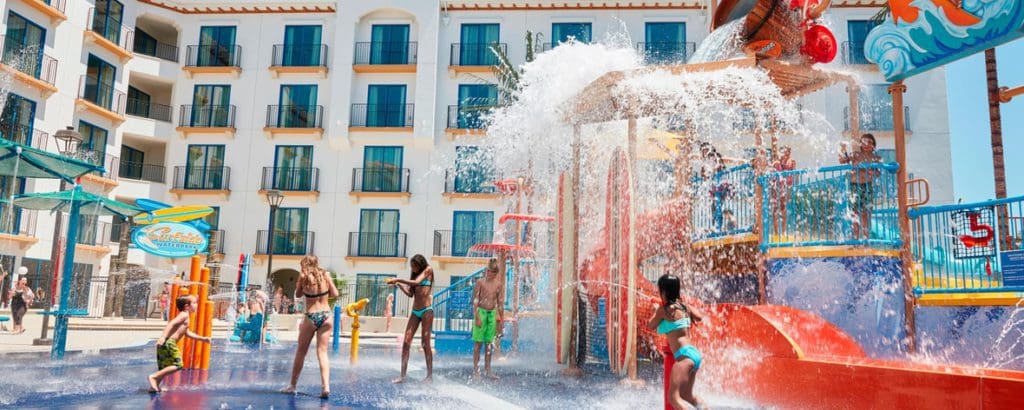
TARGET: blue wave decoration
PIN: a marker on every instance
(904, 49)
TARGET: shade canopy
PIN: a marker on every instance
(30, 162)
(91, 204)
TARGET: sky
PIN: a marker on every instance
(971, 138)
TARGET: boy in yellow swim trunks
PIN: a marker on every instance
(168, 356)
(488, 309)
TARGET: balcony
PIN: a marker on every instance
(292, 181)
(25, 135)
(54, 9)
(878, 120)
(21, 229)
(381, 117)
(299, 59)
(853, 53)
(141, 171)
(153, 111)
(30, 66)
(303, 120)
(163, 51)
(666, 52)
(385, 57)
(468, 185)
(109, 34)
(475, 58)
(466, 121)
(93, 236)
(376, 247)
(452, 246)
(380, 183)
(108, 178)
(213, 59)
(217, 241)
(206, 119)
(286, 243)
(101, 99)
(201, 180)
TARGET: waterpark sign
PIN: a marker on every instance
(170, 240)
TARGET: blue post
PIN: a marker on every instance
(337, 328)
(60, 329)
(243, 280)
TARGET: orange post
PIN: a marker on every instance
(173, 302)
(208, 332)
(205, 309)
(188, 355)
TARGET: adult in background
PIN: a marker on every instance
(20, 301)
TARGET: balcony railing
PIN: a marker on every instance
(299, 55)
(217, 240)
(202, 178)
(380, 180)
(92, 232)
(458, 242)
(382, 53)
(730, 208)
(102, 94)
(304, 179)
(59, 5)
(382, 115)
(467, 118)
(153, 111)
(25, 135)
(853, 53)
(29, 60)
(286, 242)
(295, 116)
(141, 171)
(666, 52)
(213, 55)
(111, 29)
(110, 163)
(207, 116)
(476, 54)
(376, 244)
(159, 50)
(23, 223)
(879, 119)
(116, 228)
(471, 181)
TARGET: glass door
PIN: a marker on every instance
(301, 46)
(470, 228)
(293, 167)
(476, 40)
(378, 232)
(216, 46)
(382, 169)
(389, 44)
(473, 101)
(205, 167)
(211, 106)
(385, 106)
(106, 20)
(16, 119)
(665, 42)
(23, 45)
(297, 107)
(99, 82)
(290, 231)
(562, 32)
(473, 168)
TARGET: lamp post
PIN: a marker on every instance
(68, 141)
(274, 198)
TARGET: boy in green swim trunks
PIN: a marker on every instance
(488, 310)
(168, 356)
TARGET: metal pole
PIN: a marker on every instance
(270, 263)
(574, 369)
(60, 331)
(58, 239)
(897, 89)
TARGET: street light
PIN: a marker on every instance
(68, 141)
(274, 198)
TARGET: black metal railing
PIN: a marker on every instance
(207, 116)
(141, 171)
(202, 177)
(476, 54)
(295, 116)
(217, 240)
(102, 94)
(157, 49)
(286, 242)
(23, 223)
(59, 5)
(457, 242)
(29, 60)
(376, 244)
(116, 228)
(92, 232)
(666, 52)
(110, 163)
(469, 181)
(299, 55)
(111, 29)
(879, 119)
(381, 115)
(380, 52)
(853, 53)
(380, 180)
(305, 179)
(467, 117)
(24, 135)
(153, 111)
(213, 55)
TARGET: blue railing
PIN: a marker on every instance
(958, 248)
(728, 208)
(453, 305)
(831, 206)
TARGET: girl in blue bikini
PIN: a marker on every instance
(316, 285)
(419, 289)
(672, 318)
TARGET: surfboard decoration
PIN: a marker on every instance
(175, 214)
(619, 241)
(566, 272)
(151, 205)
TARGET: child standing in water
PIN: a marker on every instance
(419, 289)
(673, 319)
(168, 357)
(488, 303)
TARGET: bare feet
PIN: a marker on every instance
(325, 394)
(399, 380)
(428, 379)
(154, 386)
(491, 375)
(288, 390)
(476, 374)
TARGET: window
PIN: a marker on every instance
(211, 106)
(301, 46)
(857, 31)
(204, 167)
(10, 217)
(473, 97)
(474, 168)
(382, 169)
(562, 32)
(293, 167)
(875, 108)
(94, 143)
(99, 82)
(216, 47)
(23, 45)
(385, 106)
(144, 43)
(297, 106)
(106, 19)
(470, 228)
(476, 41)
(665, 42)
(131, 162)
(378, 233)
(389, 44)
(138, 103)
(372, 286)
(213, 219)
(16, 119)
(290, 231)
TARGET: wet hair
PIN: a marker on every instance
(310, 266)
(183, 301)
(492, 264)
(418, 264)
(870, 137)
(669, 286)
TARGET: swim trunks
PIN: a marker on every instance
(488, 328)
(168, 355)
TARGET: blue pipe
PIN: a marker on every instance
(337, 328)
(244, 279)
(925, 210)
(60, 329)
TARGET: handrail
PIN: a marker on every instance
(922, 186)
(925, 210)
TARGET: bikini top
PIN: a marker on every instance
(324, 293)
(669, 326)
(425, 282)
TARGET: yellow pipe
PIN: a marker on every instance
(352, 310)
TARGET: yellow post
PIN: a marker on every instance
(352, 310)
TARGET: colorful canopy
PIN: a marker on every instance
(91, 204)
(30, 162)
